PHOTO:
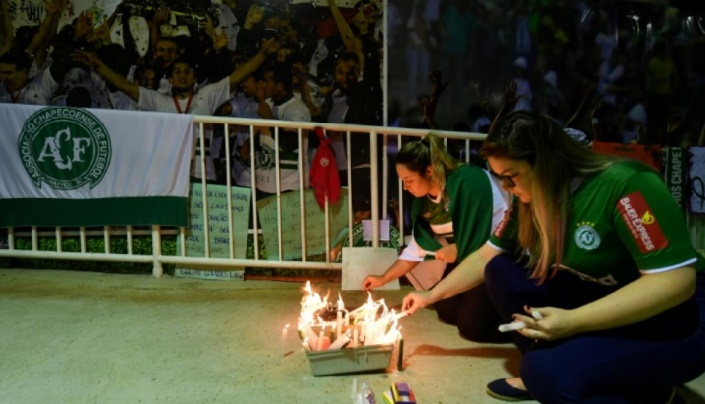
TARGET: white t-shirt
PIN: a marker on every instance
(122, 101)
(39, 90)
(293, 110)
(204, 102)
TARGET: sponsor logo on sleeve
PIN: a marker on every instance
(502, 226)
(642, 223)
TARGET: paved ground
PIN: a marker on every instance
(77, 337)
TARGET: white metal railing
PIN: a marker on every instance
(386, 135)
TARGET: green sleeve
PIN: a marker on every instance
(471, 206)
(650, 225)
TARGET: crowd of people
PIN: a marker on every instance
(643, 64)
(615, 72)
(250, 59)
(585, 256)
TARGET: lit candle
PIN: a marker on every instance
(311, 336)
(355, 336)
(285, 332)
(339, 324)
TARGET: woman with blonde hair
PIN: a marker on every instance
(593, 265)
(455, 209)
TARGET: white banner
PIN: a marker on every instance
(60, 154)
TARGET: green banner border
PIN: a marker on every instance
(124, 211)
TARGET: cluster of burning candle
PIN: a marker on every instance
(323, 325)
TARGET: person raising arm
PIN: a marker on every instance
(183, 89)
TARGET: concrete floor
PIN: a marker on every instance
(78, 337)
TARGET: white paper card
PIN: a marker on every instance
(383, 230)
(367, 230)
(358, 262)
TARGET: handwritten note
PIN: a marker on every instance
(358, 262)
(291, 223)
(217, 221)
(211, 274)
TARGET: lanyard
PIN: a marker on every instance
(178, 105)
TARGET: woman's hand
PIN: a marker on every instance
(547, 323)
(416, 300)
(448, 253)
(372, 282)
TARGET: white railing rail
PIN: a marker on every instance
(380, 139)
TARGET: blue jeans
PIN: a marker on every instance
(630, 364)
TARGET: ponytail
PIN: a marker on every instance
(441, 161)
(429, 151)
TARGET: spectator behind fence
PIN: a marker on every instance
(184, 99)
(455, 209)
(277, 82)
(18, 87)
(356, 98)
(250, 103)
(595, 260)
(38, 39)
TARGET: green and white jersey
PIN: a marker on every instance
(472, 206)
(623, 222)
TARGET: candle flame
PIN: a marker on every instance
(375, 323)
